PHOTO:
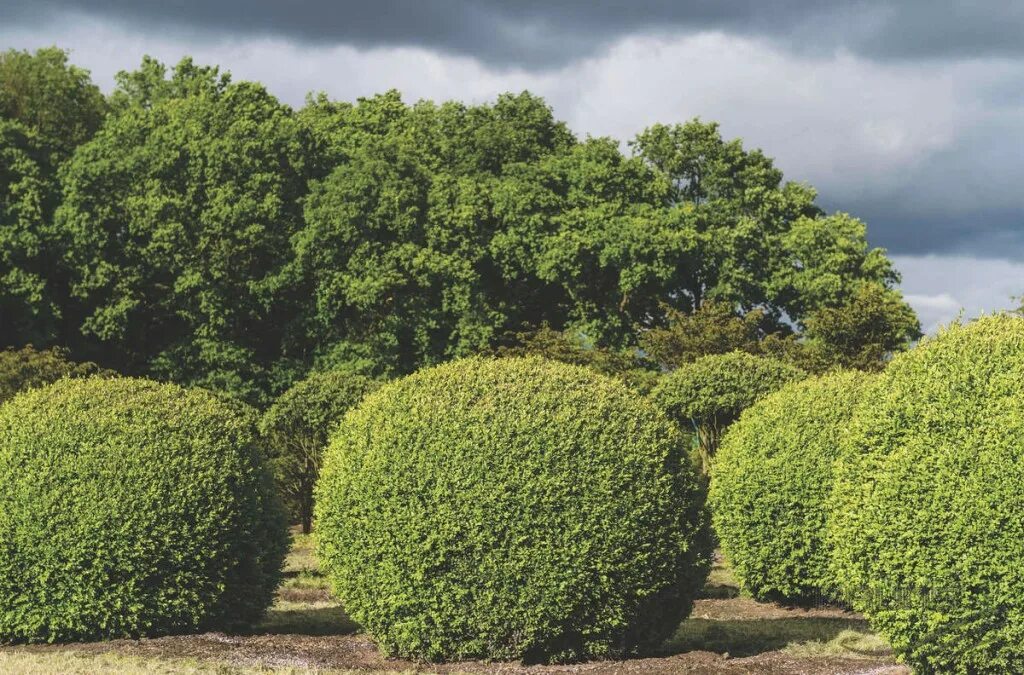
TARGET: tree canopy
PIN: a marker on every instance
(177, 216)
(48, 95)
(48, 108)
(193, 228)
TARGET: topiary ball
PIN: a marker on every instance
(771, 479)
(511, 509)
(130, 508)
(706, 396)
(927, 510)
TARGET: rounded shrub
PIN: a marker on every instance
(927, 510)
(511, 508)
(707, 395)
(771, 480)
(131, 508)
(297, 427)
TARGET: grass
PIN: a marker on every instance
(803, 636)
(745, 633)
(304, 605)
(845, 643)
(721, 583)
(70, 663)
(302, 557)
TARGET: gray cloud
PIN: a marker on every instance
(942, 288)
(542, 34)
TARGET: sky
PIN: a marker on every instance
(908, 115)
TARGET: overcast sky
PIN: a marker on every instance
(909, 115)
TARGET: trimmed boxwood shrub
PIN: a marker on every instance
(707, 395)
(297, 426)
(511, 508)
(927, 510)
(131, 508)
(771, 479)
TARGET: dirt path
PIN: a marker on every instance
(729, 636)
(308, 630)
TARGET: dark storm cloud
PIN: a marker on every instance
(966, 198)
(986, 233)
(545, 33)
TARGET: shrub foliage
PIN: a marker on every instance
(707, 395)
(130, 508)
(27, 367)
(926, 512)
(297, 427)
(771, 479)
(511, 508)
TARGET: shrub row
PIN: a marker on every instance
(520, 508)
(502, 508)
(903, 496)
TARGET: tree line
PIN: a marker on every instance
(193, 228)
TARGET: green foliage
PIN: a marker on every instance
(130, 508)
(55, 99)
(432, 240)
(202, 232)
(758, 242)
(29, 194)
(297, 427)
(629, 366)
(925, 515)
(47, 108)
(772, 476)
(401, 245)
(827, 259)
(716, 328)
(707, 395)
(511, 508)
(27, 368)
(152, 85)
(863, 332)
(178, 213)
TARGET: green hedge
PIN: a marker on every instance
(927, 511)
(131, 508)
(511, 508)
(706, 396)
(771, 479)
(297, 427)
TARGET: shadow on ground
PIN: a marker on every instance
(739, 638)
(316, 621)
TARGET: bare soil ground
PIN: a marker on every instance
(307, 632)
